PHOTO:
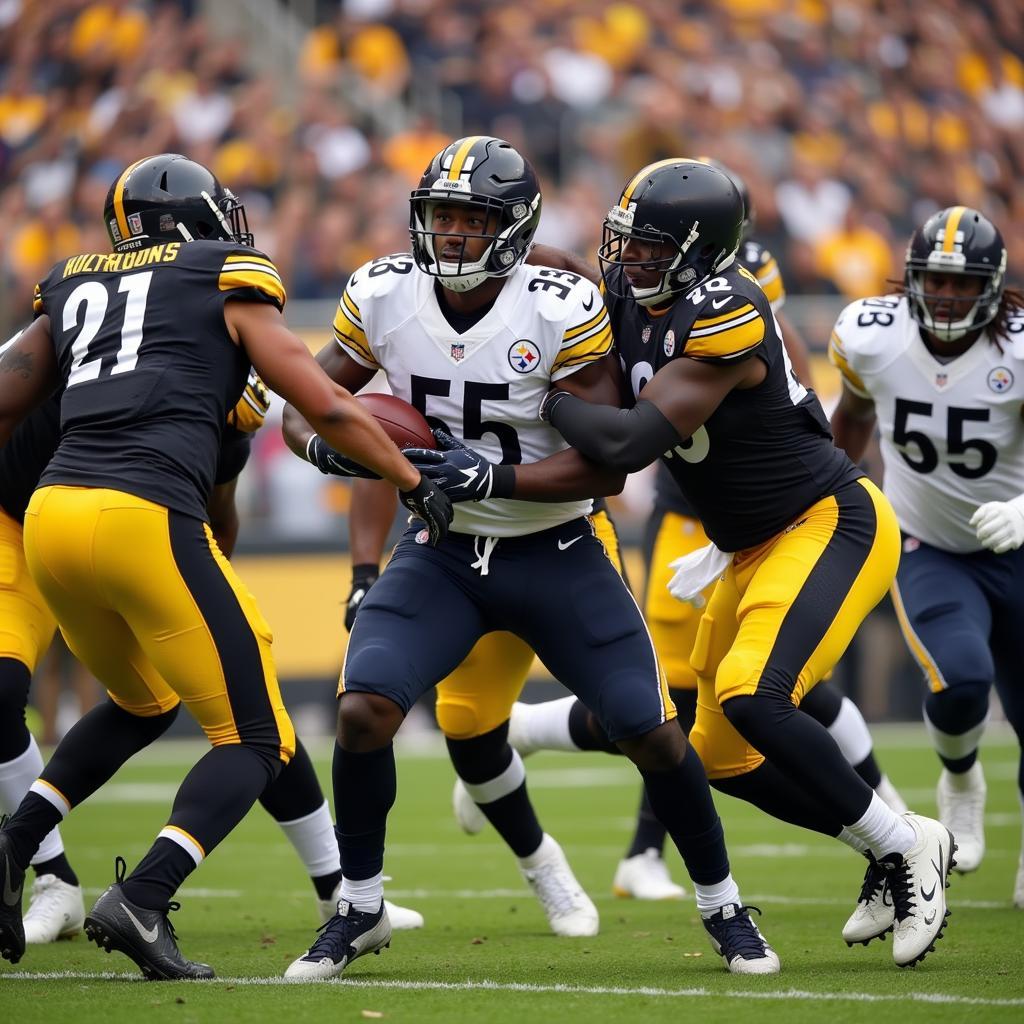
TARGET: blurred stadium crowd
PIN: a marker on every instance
(851, 120)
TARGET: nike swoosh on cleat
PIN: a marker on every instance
(149, 934)
(563, 544)
(11, 896)
(927, 896)
(930, 917)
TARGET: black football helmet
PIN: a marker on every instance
(957, 240)
(741, 187)
(169, 198)
(690, 206)
(485, 172)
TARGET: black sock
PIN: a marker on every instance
(296, 792)
(15, 680)
(650, 832)
(30, 824)
(682, 800)
(959, 765)
(483, 758)
(58, 866)
(767, 788)
(159, 875)
(365, 787)
(869, 771)
(326, 884)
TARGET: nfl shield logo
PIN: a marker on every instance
(458, 352)
(645, 335)
(940, 379)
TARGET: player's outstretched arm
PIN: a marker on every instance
(284, 362)
(671, 407)
(853, 423)
(28, 374)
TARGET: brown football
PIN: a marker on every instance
(403, 423)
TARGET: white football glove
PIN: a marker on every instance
(1000, 524)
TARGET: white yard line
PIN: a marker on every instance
(596, 990)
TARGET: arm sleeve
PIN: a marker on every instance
(624, 439)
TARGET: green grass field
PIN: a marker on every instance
(486, 954)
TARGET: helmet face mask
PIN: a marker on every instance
(171, 198)
(488, 176)
(955, 242)
(691, 210)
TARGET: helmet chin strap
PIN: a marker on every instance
(461, 282)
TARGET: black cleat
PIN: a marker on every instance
(739, 942)
(12, 882)
(143, 935)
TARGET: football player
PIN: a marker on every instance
(295, 799)
(152, 345)
(939, 367)
(469, 333)
(673, 531)
(804, 544)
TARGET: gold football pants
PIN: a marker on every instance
(26, 623)
(151, 607)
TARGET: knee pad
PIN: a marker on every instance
(462, 718)
(958, 709)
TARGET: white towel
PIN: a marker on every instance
(696, 571)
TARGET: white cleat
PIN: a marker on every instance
(349, 934)
(875, 914)
(917, 883)
(403, 919)
(739, 942)
(569, 909)
(55, 910)
(890, 795)
(645, 877)
(961, 800)
(469, 816)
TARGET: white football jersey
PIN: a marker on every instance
(484, 386)
(952, 433)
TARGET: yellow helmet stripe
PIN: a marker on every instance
(122, 220)
(461, 153)
(952, 223)
(627, 192)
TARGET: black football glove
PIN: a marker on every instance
(364, 576)
(327, 460)
(463, 474)
(428, 502)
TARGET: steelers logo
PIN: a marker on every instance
(523, 356)
(1000, 379)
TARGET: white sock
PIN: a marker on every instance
(711, 898)
(542, 726)
(882, 830)
(15, 778)
(366, 894)
(849, 839)
(538, 855)
(955, 747)
(850, 732)
(314, 841)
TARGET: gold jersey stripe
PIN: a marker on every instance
(37, 300)
(351, 309)
(733, 314)
(269, 284)
(595, 347)
(952, 223)
(122, 219)
(574, 345)
(351, 335)
(575, 332)
(455, 171)
(239, 258)
(627, 193)
(837, 357)
(727, 342)
(770, 279)
(362, 355)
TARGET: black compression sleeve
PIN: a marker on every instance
(625, 439)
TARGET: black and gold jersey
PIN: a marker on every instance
(762, 264)
(148, 367)
(765, 454)
(25, 456)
